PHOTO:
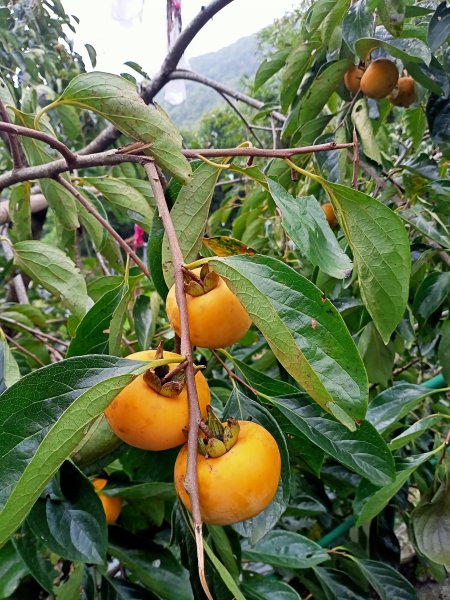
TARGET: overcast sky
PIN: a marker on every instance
(142, 38)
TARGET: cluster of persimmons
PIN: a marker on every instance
(238, 462)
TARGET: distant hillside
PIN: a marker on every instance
(228, 65)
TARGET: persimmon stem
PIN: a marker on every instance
(195, 417)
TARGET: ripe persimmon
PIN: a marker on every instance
(379, 79)
(216, 317)
(239, 484)
(142, 417)
(352, 79)
(329, 214)
(112, 505)
(404, 94)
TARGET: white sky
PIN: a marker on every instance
(143, 38)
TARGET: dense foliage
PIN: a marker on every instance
(346, 361)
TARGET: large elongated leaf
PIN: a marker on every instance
(55, 271)
(286, 549)
(297, 63)
(363, 451)
(431, 522)
(416, 430)
(304, 330)
(381, 253)
(117, 100)
(337, 584)
(409, 50)
(386, 581)
(126, 197)
(43, 417)
(371, 500)
(268, 68)
(189, 215)
(305, 223)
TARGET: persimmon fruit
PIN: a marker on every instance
(144, 418)
(352, 79)
(112, 505)
(216, 317)
(239, 484)
(379, 79)
(329, 214)
(404, 94)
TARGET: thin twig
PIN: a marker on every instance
(35, 332)
(17, 282)
(265, 152)
(232, 374)
(122, 243)
(242, 118)
(409, 364)
(13, 141)
(274, 132)
(24, 350)
(195, 417)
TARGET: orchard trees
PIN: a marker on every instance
(300, 405)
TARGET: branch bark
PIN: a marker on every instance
(14, 146)
(110, 134)
(195, 417)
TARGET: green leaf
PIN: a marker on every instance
(416, 430)
(322, 10)
(97, 234)
(35, 557)
(70, 520)
(12, 570)
(73, 587)
(444, 349)
(298, 322)
(262, 588)
(118, 589)
(117, 100)
(154, 256)
(337, 584)
(363, 124)
(432, 292)
(70, 121)
(6, 97)
(381, 253)
(55, 271)
(141, 491)
(320, 91)
(92, 54)
(416, 124)
(363, 451)
(9, 369)
(224, 548)
(378, 358)
(224, 573)
(439, 27)
(154, 566)
(386, 581)
(285, 549)
(395, 403)
(408, 50)
(241, 407)
(392, 15)
(43, 417)
(125, 197)
(305, 223)
(357, 23)
(370, 500)
(268, 68)
(423, 222)
(145, 313)
(189, 215)
(20, 212)
(297, 63)
(431, 523)
(263, 383)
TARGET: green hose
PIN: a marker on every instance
(435, 383)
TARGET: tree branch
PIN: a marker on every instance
(242, 118)
(195, 417)
(110, 134)
(13, 142)
(222, 89)
(122, 243)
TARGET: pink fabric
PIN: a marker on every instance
(138, 236)
(176, 5)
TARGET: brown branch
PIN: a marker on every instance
(15, 130)
(223, 89)
(195, 417)
(110, 134)
(38, 334)
(242, 118)
(17, 281)
(15, 343)
(266, 152)
(14, 147)
(232, 374)
(122, 243)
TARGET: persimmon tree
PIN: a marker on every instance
(316, 252)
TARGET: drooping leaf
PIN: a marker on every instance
(363, 451)
(416, 430)
(358, 23)
(378, 357)
(12, 570)
(227, 246)
(268, 68)
(189, 215)
(43, 417)
(337, 584)
(297, 63)
(432, 292)
(408, 50)
(305, 223)
(386, 581)
(117, 100)
(438, 117)
(118, 589)
(20, 212)
(9, 369)
(55, 271)
(298, 323)
(263, 588)
(392, 15)
(370, 500)
(70, 120)
(444, 349)
(423, 222)
(145, 313)
(363, 124)
(431, 523)
(439, 26)
(98, 235)
(381, 253)
(286, 549)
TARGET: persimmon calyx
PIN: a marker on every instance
(195, 285)
(216, 438)
(164, 381)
